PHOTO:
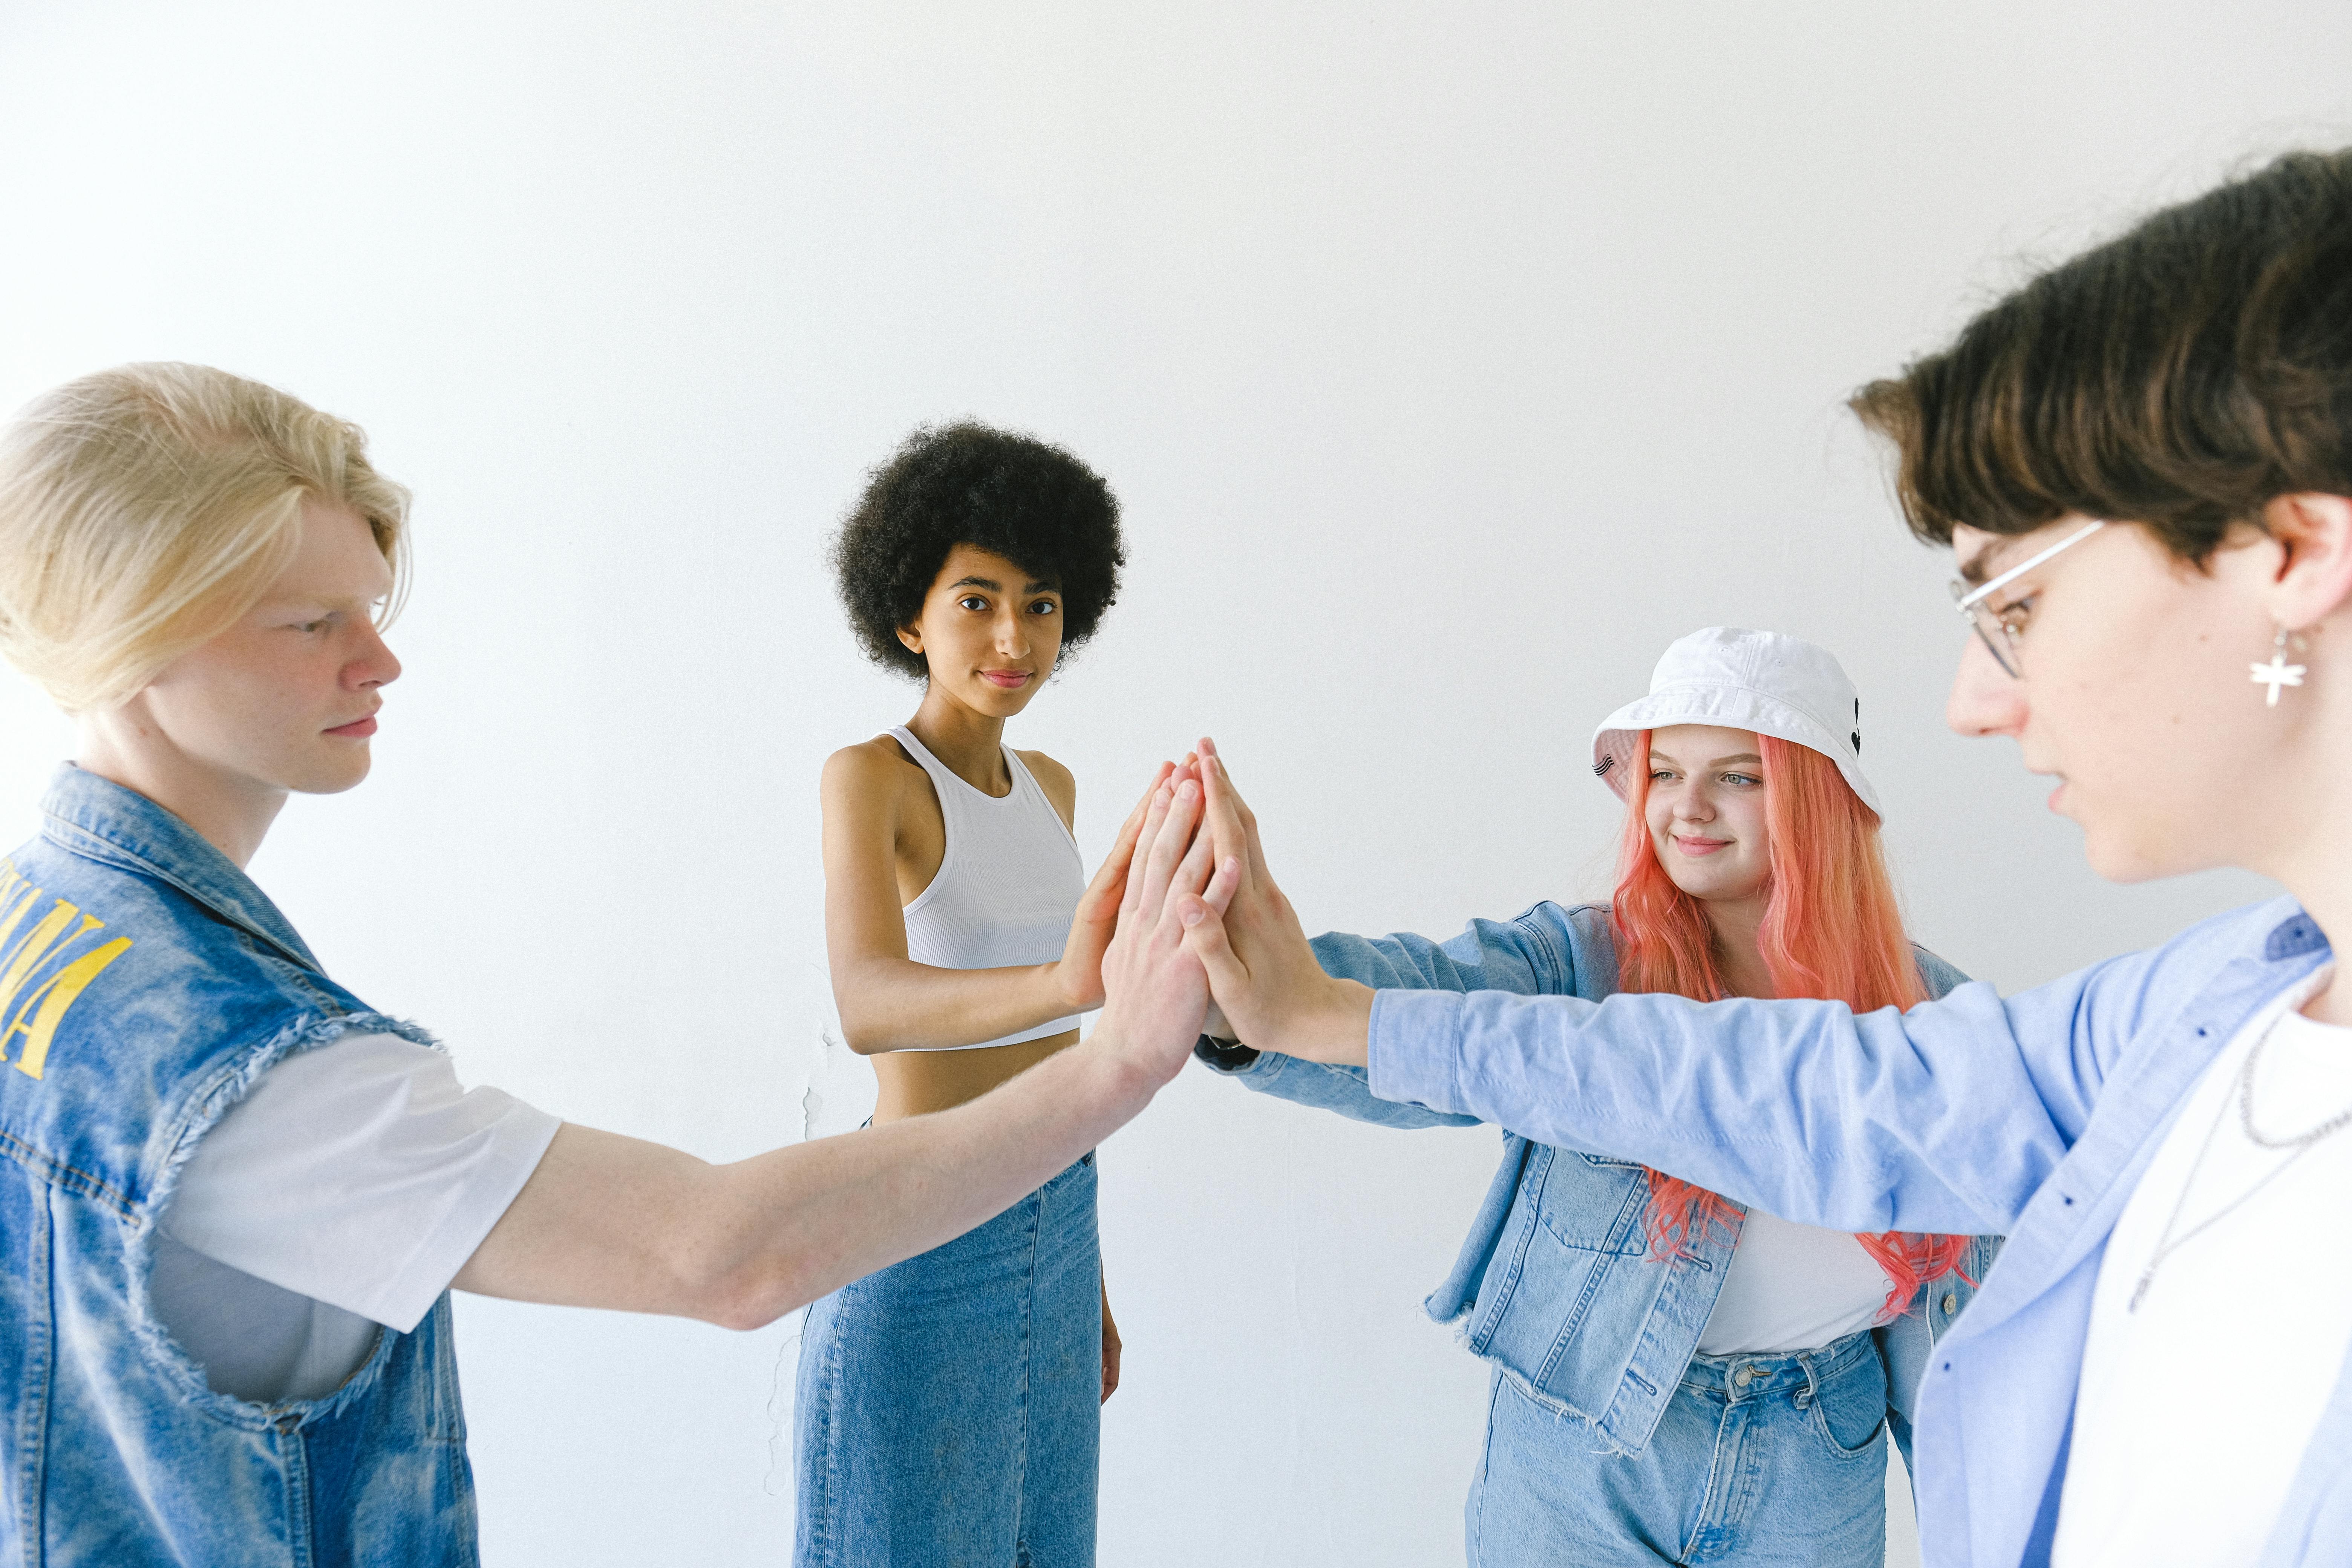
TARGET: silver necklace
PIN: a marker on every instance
(2300, 1142)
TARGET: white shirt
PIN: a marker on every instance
(1792, 1288)
(344, 1192)
(2193, 1411)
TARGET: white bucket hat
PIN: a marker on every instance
(1740, 680)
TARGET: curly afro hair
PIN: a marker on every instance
(1018, 497)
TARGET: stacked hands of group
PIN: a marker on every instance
(1191, 935)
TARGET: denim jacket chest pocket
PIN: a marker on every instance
(1593, 1202)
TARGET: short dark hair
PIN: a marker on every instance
(2180, 376)
(1015, 496)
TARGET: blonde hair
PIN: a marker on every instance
(144, 509)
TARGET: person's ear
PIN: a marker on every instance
(2313, 577)
(912, 639)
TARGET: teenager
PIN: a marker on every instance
(964, 942)
(236, 1195)
(1677, 1378)
(2143, 462)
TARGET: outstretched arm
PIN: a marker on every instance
(1324, 1086)
(608, 1220)
(1491, 956)
(1497, 956)
(1945, 1119)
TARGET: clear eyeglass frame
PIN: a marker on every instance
(2000, 639)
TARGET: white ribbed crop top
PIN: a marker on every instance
(1007, 887)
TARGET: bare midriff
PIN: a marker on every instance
(916, 1083)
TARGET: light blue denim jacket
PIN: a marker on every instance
(1553, 1283)
(2035, 1116)
(145, 984)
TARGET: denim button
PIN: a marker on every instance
(1743, 1375)
(1951, 1303)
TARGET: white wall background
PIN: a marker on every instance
(1449, 361)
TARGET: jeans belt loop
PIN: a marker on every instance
(1805, 1396)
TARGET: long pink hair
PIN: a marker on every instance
(1831, 930)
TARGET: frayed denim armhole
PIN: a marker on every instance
(205, 1111)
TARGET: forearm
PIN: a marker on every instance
(1322, 1086)
(1327, 1020)
(798, 1223)
(619, 1223)
(607, 1221)
(1490, 955)
(1309, 1056)
(1934, 1120)
(895, 1004)
(1485, 956)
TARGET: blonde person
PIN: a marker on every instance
(948, 1406)
(236, 1195)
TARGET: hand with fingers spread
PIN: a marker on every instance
(1155, 992)
(1262, 974)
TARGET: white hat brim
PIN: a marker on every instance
(1731, 707)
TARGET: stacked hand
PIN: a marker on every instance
(1156, 993)
(1080, 975)
(1249, 952)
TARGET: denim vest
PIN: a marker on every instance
(145, 984)
(1554, 1284)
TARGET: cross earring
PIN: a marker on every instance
(2278, 673)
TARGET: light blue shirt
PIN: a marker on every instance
(2033, 1116)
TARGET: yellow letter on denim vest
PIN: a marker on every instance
(48, 939)
(54, 994)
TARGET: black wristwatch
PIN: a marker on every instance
(1225, 1055)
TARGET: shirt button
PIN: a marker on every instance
(1951, 1303)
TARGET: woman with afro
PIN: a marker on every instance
(948, 1407)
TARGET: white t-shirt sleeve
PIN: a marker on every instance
(358, 1173)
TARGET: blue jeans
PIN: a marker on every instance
(948, 1407)
(1776, 1459)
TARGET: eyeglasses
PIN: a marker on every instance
(2000, 638)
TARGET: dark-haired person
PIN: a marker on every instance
(236, 1196)
(2143, 462)
(948, 1406)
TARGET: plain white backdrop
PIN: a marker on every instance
(1449, 360)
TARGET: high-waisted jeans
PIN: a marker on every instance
(1757, 1461)
(948, 1407)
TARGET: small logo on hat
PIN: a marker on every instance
(1603, 766)
(1857, 726)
